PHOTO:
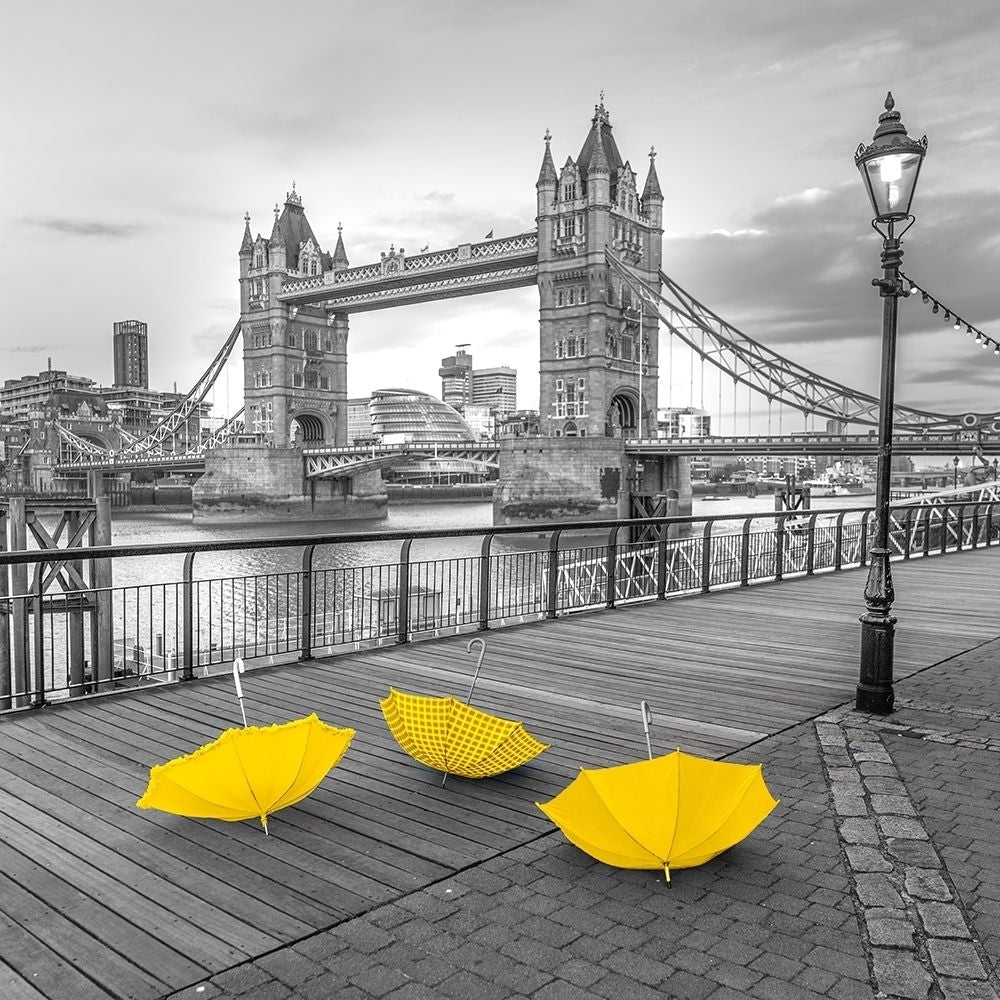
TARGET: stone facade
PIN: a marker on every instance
(552, 479)
(294, 357)
(256, 482)
(597, 343)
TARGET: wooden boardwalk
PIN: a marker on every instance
(99, 899)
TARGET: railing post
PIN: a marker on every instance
(988, 530)
(38, 683)
(745, 554)
(927, 531)
(974, 532)
(661, 564)
(863, 540)
(305, 617)
(838, 543)
(909, 533)
(779, 548)
(611, 570)
(553, 588)
(811, 545)
(485, 580)
(403, 579)
(959, 527)
(945, 519)
(187, 610)
(706, 557)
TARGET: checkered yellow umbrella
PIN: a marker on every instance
(248, 773)
(453, 737)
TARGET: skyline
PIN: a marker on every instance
(151, 134)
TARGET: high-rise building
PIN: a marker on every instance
(359, 420)
(683, 422)
(495, 388)
(456, 378)
(131, 354)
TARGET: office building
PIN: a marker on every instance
(131, 354)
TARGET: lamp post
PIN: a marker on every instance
(955, 461)
(889, 167)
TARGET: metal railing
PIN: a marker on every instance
(86, 638)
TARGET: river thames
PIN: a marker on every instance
(178, 527)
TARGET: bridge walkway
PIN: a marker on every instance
(99, 899)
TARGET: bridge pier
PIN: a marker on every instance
(583, 479)
(254, 482)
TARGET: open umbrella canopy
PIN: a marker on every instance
(249, 772)
(677, 811)
(446, 734)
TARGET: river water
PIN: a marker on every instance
(161, 529)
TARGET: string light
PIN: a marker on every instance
(984, 340)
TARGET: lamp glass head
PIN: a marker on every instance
(890, 165)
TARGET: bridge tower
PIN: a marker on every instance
(598, 348)
(294, 357)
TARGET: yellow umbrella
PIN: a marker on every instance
(676, 811)
(452, 736)
(250, 772)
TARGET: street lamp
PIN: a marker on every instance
(889, 167)
(956, 460)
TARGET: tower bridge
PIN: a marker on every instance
(596, 259)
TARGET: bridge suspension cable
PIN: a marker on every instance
(766, 372)
(189, 406)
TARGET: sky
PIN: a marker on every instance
(138, 135)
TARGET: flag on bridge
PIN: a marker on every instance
(425, 247)
(489, 235)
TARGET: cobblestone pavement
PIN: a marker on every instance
(878, 875)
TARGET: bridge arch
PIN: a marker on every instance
(310, 427)
(621, 418)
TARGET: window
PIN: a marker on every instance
(296, 380)
(569, 191)
(559, 385)
(291, 339)
(311, 338)
(560, 348)
(258, 260)
(559, 298)
(312, 378)
(324, 381)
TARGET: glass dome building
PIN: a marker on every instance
(408, 416)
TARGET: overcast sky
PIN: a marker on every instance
(137, 135)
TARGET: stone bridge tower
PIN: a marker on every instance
(294, 358)
(598, 348)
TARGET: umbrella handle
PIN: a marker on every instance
(238, 668)
(479, 665)
(647, 718)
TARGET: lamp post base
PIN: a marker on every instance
(875, 691)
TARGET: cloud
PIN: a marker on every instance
(86, 227)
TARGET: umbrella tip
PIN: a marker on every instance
(263, 823)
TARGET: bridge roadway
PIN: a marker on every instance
(98, 899)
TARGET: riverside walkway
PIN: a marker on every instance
(877, 875)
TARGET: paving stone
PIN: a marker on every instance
(876, 889)
(955, 958)
(859, 831)
(925, 883)
(899, 974)
(241, 979)
(379, 980)
(848, 803)
(943, 920)
(966, 989)
(890, 933)
(817, 980)
(580, 972)
(913, 852)
(884, 785)
(867, 859)
(289, 967)
(363, 936)
(738, 977)
(409, 991)
(272, 990)
(902, 826)
(897, 805)
(637, 966)
(560, 989)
